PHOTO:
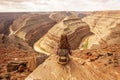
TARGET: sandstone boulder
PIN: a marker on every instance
(16, 65)
(40, 59)
(72, 26)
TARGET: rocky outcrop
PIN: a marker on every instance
(105, 26)
(17, 59)
(15, 65)
(30, 27)
(72, 26)
(94, 64)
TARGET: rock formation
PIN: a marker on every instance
(6, 19)
(105, 26)
(14, 50)
(13, 53)
(58, 16)
(72, 26)
(14, 41)
(95, 64)
(31, 27)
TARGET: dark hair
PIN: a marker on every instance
(63, 44)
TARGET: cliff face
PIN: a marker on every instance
(6, 19)
(94, 64)
(14, 41)
(31, 27)
(105, 26)
(58, 16)
(73, 26)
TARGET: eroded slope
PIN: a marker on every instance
(105, 26)
(73, 26)
(31, 27)
(95, 64)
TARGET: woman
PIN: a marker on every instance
(63, 50)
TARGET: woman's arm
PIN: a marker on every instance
(56, 49)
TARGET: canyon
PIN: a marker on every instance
(105, 26)
(32, 38)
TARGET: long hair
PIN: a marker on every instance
(63, 44)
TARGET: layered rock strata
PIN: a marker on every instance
(105, 26)
(31, 27)
(75, 29)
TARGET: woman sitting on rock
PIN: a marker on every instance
(63, 50)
